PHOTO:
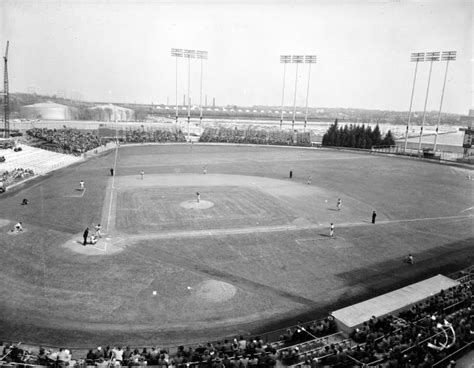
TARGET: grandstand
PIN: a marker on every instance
(36, 159)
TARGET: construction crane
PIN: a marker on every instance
(6, 104)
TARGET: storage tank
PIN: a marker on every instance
(111, 113)
(47, 111)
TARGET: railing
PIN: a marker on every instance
(320, 340)
(454, 354)
(437, 155)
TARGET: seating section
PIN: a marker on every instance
(67, 140)
(38, 160)
(255, 135)
(159, 135)
(8, 178)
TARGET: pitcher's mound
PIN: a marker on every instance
(215, 291)
(194, 205)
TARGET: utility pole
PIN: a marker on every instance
(6, 99)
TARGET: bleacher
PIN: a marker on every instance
(36, 159)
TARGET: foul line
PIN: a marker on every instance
(112, 189)
(267, 229)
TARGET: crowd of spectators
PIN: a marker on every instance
(416, 338)
(316, 329)
(67, 140)
(8, 178)
(251, 135)
(236, 353)
(152, 136)
(413, 337)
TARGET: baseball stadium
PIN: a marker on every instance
(236, 184)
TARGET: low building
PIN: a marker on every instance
(111, 112)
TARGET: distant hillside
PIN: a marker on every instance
(142, 111)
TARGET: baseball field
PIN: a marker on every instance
(254, 254)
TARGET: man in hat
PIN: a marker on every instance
(85, 235)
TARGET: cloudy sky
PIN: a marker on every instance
(120, 50)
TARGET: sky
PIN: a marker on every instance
(120, 51)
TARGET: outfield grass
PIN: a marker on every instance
(258, 257)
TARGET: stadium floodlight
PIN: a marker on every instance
(416, 57)
(284, 59)
(431, 57)
(177, 53)
(202, 55)
(445, 56)
(188, 54)
(308, 59)
(296, 59)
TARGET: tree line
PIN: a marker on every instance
(356, 136)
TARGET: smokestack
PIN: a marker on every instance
(213, 102)
(205, 101)
(184, 100)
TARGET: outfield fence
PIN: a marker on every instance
(427, 154)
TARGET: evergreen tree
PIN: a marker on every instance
(345, 137)
(388, 139)
(376, 136)
(339, 137)
(368, 138)
(329, 138)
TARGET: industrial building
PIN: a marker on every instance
(48, 111)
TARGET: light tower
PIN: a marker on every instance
(284, 59)
(431, 57)
(177, 53)
(415, 57)
(188, 54)
(445, 56)
(296, 59)
(201, 55)
(308, 59)
(6, 102)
